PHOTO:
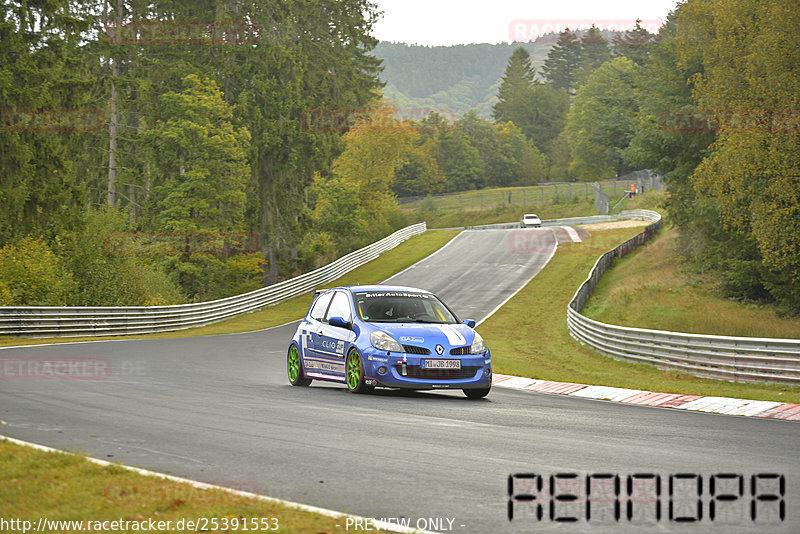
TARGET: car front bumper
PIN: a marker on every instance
(408, 371)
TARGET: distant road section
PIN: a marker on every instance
(480, 269)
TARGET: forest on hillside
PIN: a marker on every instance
(450, 79)
(248, 149)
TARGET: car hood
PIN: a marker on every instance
(428, 335)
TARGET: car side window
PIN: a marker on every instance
(318, 310)
(340, 307)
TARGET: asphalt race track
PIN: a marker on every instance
(479, 269)
(219, 409)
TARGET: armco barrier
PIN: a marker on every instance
(48, 321)
(740, 359)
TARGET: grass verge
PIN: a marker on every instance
(650, 289)
(528, 336)
(551, 209)
(521, 196)
(387, 264)
(59, 486)
(501, 214)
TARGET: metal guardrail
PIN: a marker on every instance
(740, 359)
(53, 321)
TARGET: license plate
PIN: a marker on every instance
(442, 364)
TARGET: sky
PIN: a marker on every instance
(448, 22)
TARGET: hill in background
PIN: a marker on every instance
(453, 79)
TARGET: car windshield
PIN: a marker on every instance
(401, 307)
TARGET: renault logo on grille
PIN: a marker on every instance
(439, 349)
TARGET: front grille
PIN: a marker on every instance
(414, 371)
(411, 349)
(459, 351)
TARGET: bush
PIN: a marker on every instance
(108, 277)
(32, 275)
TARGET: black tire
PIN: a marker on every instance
(354, 373)
(294, 368)
(477, 393)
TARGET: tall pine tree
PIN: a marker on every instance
(594, 52)
(517, 81)
(635, 44)
(539, 110)
(563, 61)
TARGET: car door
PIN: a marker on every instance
(309, 329)
(332, 341)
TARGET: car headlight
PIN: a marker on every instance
(383, 341)
(478, 346)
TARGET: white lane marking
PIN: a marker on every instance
(605, 393)
(546, 261)
(393, 527)
(518, 382)
(424, 259)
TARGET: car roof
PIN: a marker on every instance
(380, 288)
(530, 215)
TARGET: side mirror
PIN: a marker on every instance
(338, 321)
(470, 323)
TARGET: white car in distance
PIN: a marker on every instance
(530, 220)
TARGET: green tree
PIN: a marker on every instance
(559, 158)
(563, 61)
(420, 175)
(600, 124)
(594, 52)
(203, 158)
(516, 84)
(432, 125)
(517, 160)
(671, 135)
(752, 174)
(635, 44)
(355, 203)
(310, 56)
(45, 110)
(107, 274)
(545, 115)
(481, 134)
(460, 162)
(539, 110)
(32, 275)
(340, 222)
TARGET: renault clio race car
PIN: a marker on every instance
(385, 336)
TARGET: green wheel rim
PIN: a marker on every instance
(353, 370)
(294, 364)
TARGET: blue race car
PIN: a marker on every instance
(384, 336)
